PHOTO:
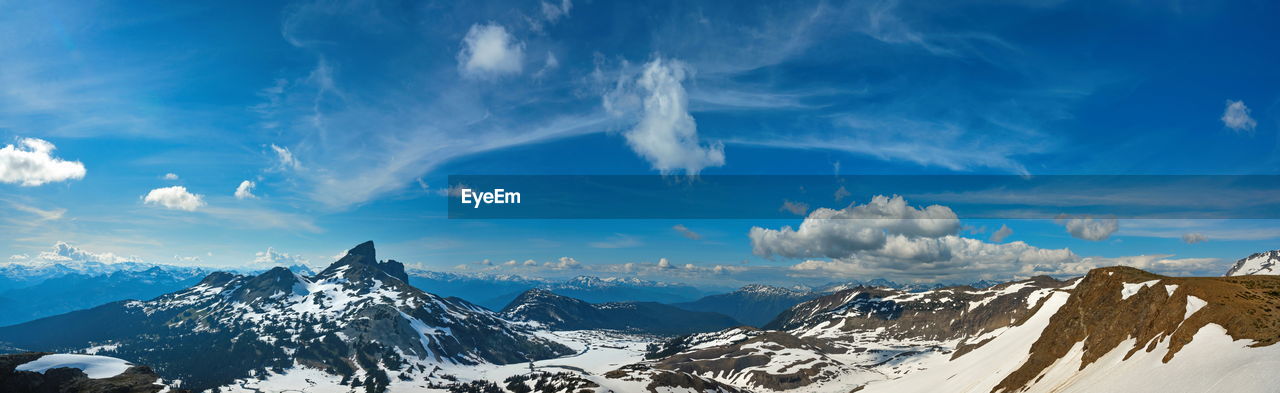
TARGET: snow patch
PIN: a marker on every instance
(1131, 289)
(1193, 304)
(96, 367)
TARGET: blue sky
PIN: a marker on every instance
(348, 117)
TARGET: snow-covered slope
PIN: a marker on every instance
(1124, 330)
(1260, 263)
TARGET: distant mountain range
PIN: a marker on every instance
(558, 312)
(496, 291)
(754, 305)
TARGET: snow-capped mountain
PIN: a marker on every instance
(565, 313)
(1261, 263)
(358, 320)
(1115, 329)
(848, 339)
(753, 305)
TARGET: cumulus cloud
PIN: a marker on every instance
(1094, 229)
(686, 232)
(1001, 234)
(62, 252)
(1236, 117)
(663, 263)
(666, 134)
(563, 263)
(31, 163)
(273, 258)
(176, 198)
(944, 258)
(245, 190)
(285, 159)
(171, 176)
(489, 50)
(1193, 238)
(841, 233)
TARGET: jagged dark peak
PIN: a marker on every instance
(395, 269)
(362, 262)
(364, 250)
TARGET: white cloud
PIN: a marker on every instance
(666, 134)
(686, 232)
(31, 163)
(797, 208)
(945, 258)
(175, 197)
(489, 50)
(1001, 234)
(553, 12)
(551, 64)
(1094, 229)
(285, 159)
(663, 263)
(841, 193)
(856, 228)
(44, 215)
(1193, 238)
(563, 263)
(245, 190)
(1236, 117)
(62, 252)
(171, 176)
(273, 258)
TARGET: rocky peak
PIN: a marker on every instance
(361, 263)
(275, 282)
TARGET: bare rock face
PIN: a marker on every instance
(1115, 304)
(137, 379)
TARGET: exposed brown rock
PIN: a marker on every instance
(1248, 307)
